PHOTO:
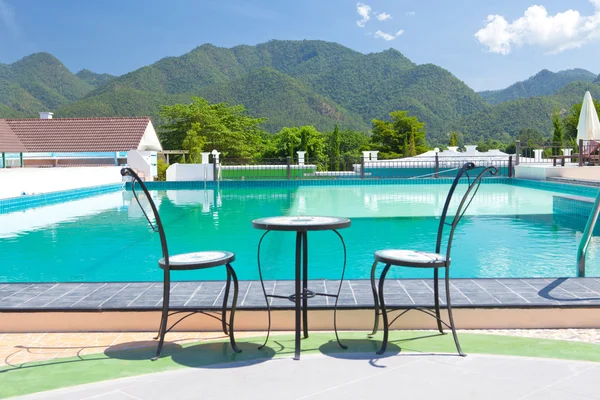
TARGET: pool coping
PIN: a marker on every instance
(484, 293)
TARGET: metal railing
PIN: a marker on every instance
(583, 153)
(353, 168)
(587, 236)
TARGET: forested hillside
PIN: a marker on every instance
(541, 84)
(296, 83)
(39, 82)
(93, 78)
(512, 116)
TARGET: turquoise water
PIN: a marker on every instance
(509, 231)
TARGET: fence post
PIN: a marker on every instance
(362, 167)
(510, 167)
(581, 152)
(517, 151)
(214, 168)
(289, 163)
(437, 166)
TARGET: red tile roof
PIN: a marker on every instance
(9, 142)
(78, 134)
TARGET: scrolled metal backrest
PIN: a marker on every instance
(127, 171)
(463, 205)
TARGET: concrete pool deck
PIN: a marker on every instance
(354, 377)
(496, 367)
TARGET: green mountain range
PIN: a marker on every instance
(295, 83)
(541, 84)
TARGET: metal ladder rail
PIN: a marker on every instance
(587, 236)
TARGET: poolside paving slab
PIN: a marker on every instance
(358, 376)
(470, 293)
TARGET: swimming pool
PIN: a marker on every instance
(509, 231)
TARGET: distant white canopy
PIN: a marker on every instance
(588, 127)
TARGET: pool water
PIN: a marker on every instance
(509, 231)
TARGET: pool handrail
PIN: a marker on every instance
(587, 236)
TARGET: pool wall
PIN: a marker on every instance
(44, 199)
(37, 200)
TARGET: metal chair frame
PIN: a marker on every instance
(378, 294)
(167, 268)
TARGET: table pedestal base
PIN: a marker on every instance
(302, 293)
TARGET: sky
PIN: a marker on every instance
(487, 44)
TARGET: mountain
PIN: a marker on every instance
(541, 84)
(39, 82)
(93, 78)
(512, 116)
(299, 83)
(295, 83)
(597, 80)
(283, 99)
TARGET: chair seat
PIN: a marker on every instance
(411, 258)
(198, 260)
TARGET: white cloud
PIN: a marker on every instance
(385, 16)
(411, 13)
(553, 33)
(364, 11)
(388, 36)
(7, 18)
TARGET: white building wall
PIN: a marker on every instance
(15, 181)
(150, 140)
(190, 172)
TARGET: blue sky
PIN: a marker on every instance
(487, 44)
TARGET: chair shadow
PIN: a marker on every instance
(140, 350)
(358, 349)
(219, 355)
(545, 292)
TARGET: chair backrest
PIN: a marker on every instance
(127, 171)
(464, 204)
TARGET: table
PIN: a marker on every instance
(301, 225)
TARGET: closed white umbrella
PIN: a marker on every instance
(588, 127)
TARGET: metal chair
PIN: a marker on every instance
(186, 262)
(420, 259)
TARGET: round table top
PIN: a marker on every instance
(300, 223)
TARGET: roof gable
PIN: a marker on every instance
(79, 134)
(9, 142)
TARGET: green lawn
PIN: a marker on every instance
(116, 363)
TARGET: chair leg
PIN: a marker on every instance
(383, 310)
(225, 299)
(165, 313)
(450, 317)
(236, 288)
(375, 300)
(436, 295)
(305, 284)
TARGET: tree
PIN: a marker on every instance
(313, 142)
(393, 139)
(334, 144)
(557, 131)
(286, 142)
(453, 139)
(220, 126)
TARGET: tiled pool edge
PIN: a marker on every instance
(43, 199)
(555, 305)
(411, 293)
